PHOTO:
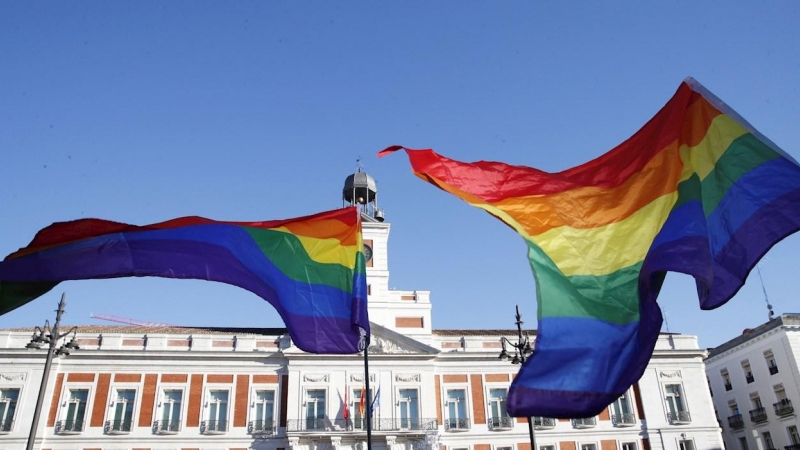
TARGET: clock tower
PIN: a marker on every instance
(407, 312)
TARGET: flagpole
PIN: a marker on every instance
(365, 338)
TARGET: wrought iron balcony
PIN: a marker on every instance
(758, 415)
(773, 370)
(323, 424)
(414, 424)
(69, 426)
(587, 422)
(728, 386)
(749, 377)
(679, 418)
(783, 407)
(118, 426)
(623, 420)
(461, 424)
(544, 423)
(261, 427)
(735, 421)
(6, 426)
(792, 447)
(214, 426)
(359, 425)
(166, 426)
(500, 423)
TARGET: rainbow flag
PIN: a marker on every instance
(311, 269)
(697, 190)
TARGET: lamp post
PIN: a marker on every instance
(50, 336)
(522, 350)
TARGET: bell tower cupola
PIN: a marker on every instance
(360, 189)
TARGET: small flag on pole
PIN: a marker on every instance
(361, 402)
(376, 401)
(346, 413)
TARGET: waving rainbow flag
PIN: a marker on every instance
(311, 269)
(697, 190)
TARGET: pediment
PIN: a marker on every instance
(383, 341)
(386, 341)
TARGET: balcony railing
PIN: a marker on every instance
(758, 415)
(735, 421)
(69, 426)
(544, 423)
(118, 426)
(773, 370)
(623, 420)
(728, 386)
(213, 426)
(783, 407)
(500, 423)
(679, 418)
(399, 425)
(461, 424)
(749, 377)
(166, 426)
(261, 427)
(6, 426)
(587, 422)
(792, 447)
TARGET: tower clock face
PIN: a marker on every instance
(367, 252)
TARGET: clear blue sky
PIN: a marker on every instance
(144, 111)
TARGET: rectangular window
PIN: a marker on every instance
(743, 443)
(676, 406)
(547, 447)
(726, 379)
(217, 419)
(123, 412)
(794, 438)
(315, 409)
(264, 418)
(628, 446)
(409, 409)
(359, 414)
(686, 444)
(748, 372)
(497, 409)
(735, 418)
(780, 393)
(456, 403)
(76, 411)
(170, 417)
(771, 364)
(756, 400)
(758, 413)
(621, 414)
(783, 407)
(588, 447)
(768, 444)
(8, 406)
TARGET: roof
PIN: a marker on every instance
(479, 332)
(139, 329)
(751, 333)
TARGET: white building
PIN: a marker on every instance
(135, 387)
(754, 379)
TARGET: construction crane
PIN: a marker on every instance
(129, 321)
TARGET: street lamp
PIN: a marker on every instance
(50, 336)
(522, 351)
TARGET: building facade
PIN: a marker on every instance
(754, 379)
(159, 388)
